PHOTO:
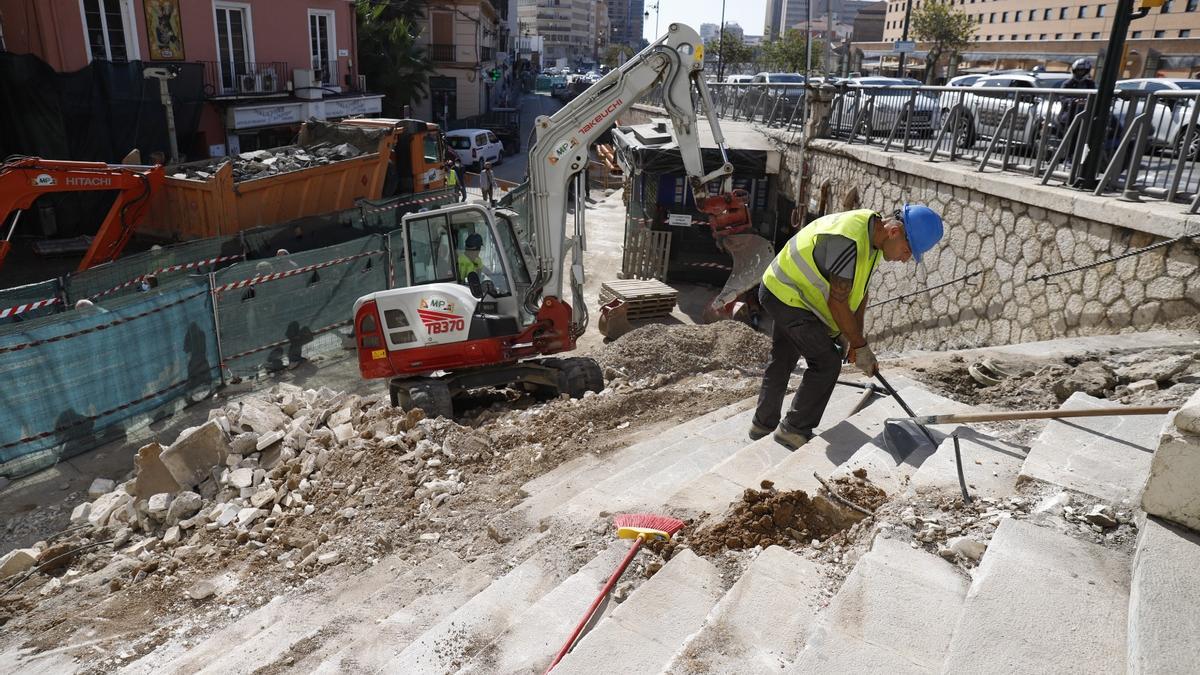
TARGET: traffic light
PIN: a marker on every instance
(495, 74)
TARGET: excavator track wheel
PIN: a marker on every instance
(430, 395)
(582, 375)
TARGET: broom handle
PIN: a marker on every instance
(612, 581)
(1040, 414)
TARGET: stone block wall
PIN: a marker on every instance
(1011, 228)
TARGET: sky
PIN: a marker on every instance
(749, 14)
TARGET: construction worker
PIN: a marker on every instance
(468, 260)
(816, 291)
(453, 182)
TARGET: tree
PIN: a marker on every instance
(945, 29)
(732, 53)
(790, 53)
(612, 55)
(388, 54)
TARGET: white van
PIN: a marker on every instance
(475, 146)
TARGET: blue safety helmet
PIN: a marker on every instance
(922, 227)
(475, 242)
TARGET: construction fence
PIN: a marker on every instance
(222, 308)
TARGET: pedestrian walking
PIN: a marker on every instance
(816, 292)
(487, 183)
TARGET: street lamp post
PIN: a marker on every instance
(655, 8)
(721, 46)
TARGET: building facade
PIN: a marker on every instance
(468, 43)
(567, 28)
(628, 22)
(268, 64)
(773, 23)
(1021, 33)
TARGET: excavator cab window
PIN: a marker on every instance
(431, 249)
(487, 261)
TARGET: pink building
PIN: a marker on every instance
(268, 64)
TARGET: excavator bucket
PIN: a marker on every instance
(614, 319)
(751, 255)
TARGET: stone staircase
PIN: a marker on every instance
(1040, 601)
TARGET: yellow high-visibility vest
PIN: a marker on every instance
(794, 278)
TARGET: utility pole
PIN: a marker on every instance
(1099, 108)
(808, 45)
(904, 36)
(721, 46)
(828, 37)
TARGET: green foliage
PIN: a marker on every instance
(946, 29)
(612, 55)
(388, 54)
(732, 52)
(790, 53)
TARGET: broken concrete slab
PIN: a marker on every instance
(653, 623)
(759, 624)
(898, 606)
(1106, 457)
(261, 418)
(152, 475)
(192, 456)
(106, 506)
(17, 561)
(1064, 601)
(990, 466)
(1163, 596)
(185, 505)
(101, 486)
(1170, 490)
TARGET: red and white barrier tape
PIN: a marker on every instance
(423, 200)
(28, 307)
(170, 268)
(280, 343)
(290, 273)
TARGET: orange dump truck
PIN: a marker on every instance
(331, 167)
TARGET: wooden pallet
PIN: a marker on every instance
(646, 254)
(644, 298)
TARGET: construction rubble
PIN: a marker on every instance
(264, 163)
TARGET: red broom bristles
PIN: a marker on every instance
(649, 521)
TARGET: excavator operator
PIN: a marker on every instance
(469, 260)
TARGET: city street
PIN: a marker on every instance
(532, 105)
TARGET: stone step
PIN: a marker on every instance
(713, 491)
(895, 613)
(534, 638)
(270, 632)
(1106, 457)
(1043, 602)
(373, 646)
(759, 625)
(1164, 596)
(990, 466)
(457, 638)
(551, 490)
(644, 632)
(631, 485)
(836, 445)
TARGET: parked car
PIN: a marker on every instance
(475, 146)
(985, 106)
(780, 103)
(739, 79)
(1171, 116)
(890, 96)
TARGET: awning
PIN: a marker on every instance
(279, 112)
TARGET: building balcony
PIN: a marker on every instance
(441, 53)
(245, 79)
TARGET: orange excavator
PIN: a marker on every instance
(24, 179)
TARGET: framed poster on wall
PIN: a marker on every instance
(164, 28)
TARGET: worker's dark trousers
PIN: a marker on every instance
(796, 333)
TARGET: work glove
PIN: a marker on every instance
(864, 358)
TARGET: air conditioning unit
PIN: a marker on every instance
(250, 83)
(269, 82)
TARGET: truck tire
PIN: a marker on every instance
(430, 395)
(582, 375)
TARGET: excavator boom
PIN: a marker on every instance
(23, 180)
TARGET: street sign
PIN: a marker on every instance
(679, 220)
(904, 46)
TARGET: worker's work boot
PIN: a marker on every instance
(757, 430)
(790, 439)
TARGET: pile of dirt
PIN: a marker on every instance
(671, 350)
(788, 518)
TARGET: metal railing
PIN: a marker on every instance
(1151, 143)
(327, 73)
(441, 53)
(246, 78)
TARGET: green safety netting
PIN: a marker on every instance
(28, 302)
(119, 278)
(80, 379)
(273, 312)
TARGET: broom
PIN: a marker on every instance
(639, 527)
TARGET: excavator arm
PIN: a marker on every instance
(676, 63)
(23, 180)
